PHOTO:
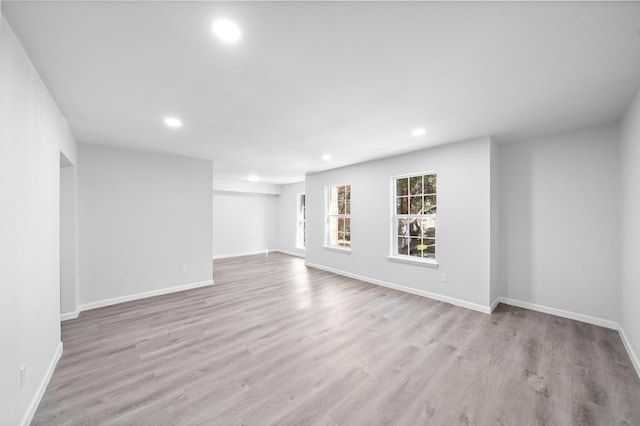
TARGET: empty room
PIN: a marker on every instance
(319, 213)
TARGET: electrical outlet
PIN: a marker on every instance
(23, 376)
(183, 269)
(444, 278)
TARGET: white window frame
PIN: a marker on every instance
(395, 217)
(301, 223)
(330, 216)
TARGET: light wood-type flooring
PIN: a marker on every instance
(274, 342)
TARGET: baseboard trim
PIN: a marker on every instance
(252, 253)
(435, 296)
(129, 298)
(35, 402)
(561, 313)
(69, 315)
(632, 354)
(290, 253)
(495, 303)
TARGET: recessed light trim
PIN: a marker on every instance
(173, 122)
(253, 178)
(226, 30)
(419, 131)
(326, 157)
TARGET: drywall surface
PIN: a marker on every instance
(68, 266)
(559, 221)
(463, 227)
(288, 218)
(497, 289)
(143, 217)
(243, 223)
(32, 134)
(630, 226)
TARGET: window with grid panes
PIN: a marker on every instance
(338, 226)
(414, 219)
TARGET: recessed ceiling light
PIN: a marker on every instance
(326, 157)
(226, 30)
(254, 178)
(418, 132)
(173, 122)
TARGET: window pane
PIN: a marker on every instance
(333, 192)
(341, 193)
(403, 246)
(430, 252)
(414, 249)
(402, 205)
(347, 207)
(415, 183)
(429, 204)
(403, 227)
(341, 207)
(414, 227)
(430, 184)
(402, 186)
(347, 192)
(333, 207)
(416, 205)
(333, 230)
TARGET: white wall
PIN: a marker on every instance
(68, 240)
(630, 228)
(142, 217)
(559, 221)
(497, 288)
(288, 218)
(463, 232)
(32, 134)
(244, 223)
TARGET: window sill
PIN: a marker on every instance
(402, 259)
(338, 249)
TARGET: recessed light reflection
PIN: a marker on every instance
(226, 30)
(418, 132)
(173, 122)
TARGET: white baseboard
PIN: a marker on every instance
(35, 402)
(252, 253)
(69, 315)
(129, 298)
(495, 303)
(290, 253)
(632, 354)
(447, 299)
(561, 313)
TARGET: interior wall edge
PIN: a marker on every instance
(249, 253)
(632, 354)
(144, 295)
(35, 402)
(291, 253)
(561, 313)
(418, 292)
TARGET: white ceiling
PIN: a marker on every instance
(351, 79)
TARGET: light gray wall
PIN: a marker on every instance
(497, 289)
(32, 134)
(463, 232)
(630, 226)
(559, 221)
(68, 240)
(243, 223)
(288, 218)
(142, 217)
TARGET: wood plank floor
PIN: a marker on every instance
(274, 342)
